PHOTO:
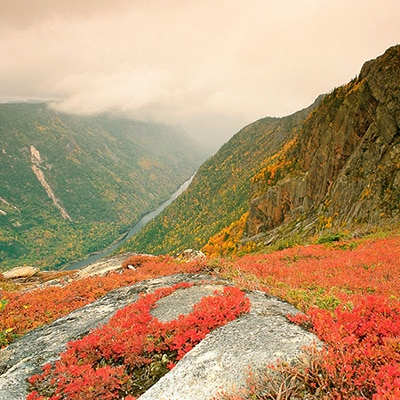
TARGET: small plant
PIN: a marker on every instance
(329, 238)
(24, 311)
(283, 381)
(130, 353)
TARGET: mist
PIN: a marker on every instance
(208, 67)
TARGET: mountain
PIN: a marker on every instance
(329, 169)
(343, 172)
(219, 193)
(71, 185)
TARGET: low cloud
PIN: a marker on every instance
(208, 66)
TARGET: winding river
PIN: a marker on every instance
(133, 231)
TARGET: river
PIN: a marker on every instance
(133, 231)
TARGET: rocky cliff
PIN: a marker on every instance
(341, 169)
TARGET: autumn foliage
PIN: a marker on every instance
(348, 292)
(22, 312)
(362, 354)
(276, 166)
(323, 275)
(226, 241)
(350, 295)
(126, 356)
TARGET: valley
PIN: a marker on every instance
(329, 169)
(298, 220)
(73, 185)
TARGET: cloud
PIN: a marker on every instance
(208, 66)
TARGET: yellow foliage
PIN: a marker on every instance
(366, 192)
(226, 241)
(145, 163)
(273, 164)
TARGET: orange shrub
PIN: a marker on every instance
(24, 311)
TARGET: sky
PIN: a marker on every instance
(207, 66)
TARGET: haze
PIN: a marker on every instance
(210, 67)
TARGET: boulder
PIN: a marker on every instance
(103, 266)
(20, 272)
(190, 255)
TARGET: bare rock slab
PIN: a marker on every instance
(27, 355)
(223, 359)
(182, 301)
(20, 272)
(220, 361)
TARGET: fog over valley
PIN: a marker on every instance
(208, 67)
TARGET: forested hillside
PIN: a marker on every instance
(331, 169)
(71, 185)
(219, 193)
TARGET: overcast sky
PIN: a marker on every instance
(209, 66)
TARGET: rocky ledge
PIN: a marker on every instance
(221, 361)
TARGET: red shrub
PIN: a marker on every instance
(362, 357)
(28, 310)
(301, 274)
(110, 362)
(362, 354)
(137, 261)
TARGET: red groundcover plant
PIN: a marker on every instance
(125, 357)
(21, 312)
(350, 294)
(362, 357)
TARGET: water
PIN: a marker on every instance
(133, 231)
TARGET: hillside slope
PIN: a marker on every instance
(346, 162)
(331, 167)
(72, 185)
(219, 192)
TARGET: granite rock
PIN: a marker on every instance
(220, 361)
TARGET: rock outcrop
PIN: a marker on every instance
(220, 361)
(190, 255)
(344, 169)
(20, 272)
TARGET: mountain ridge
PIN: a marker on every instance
(71, 185)
(272, 179)
(347, 157)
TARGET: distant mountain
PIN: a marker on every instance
(71, 185)
(333, 167)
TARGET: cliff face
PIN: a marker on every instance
(219, 192)
(344, 166)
